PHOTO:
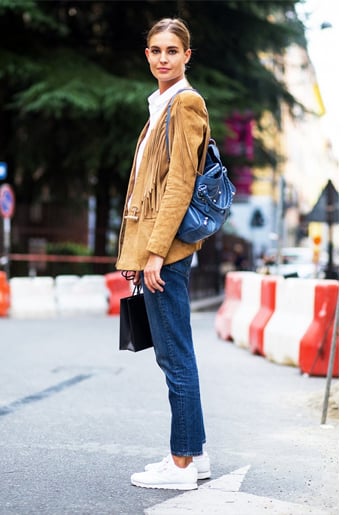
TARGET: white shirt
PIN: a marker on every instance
(156, 104)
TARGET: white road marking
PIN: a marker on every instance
(222, 496)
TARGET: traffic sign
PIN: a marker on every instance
(7, 201)
(3, 170)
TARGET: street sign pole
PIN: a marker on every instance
(280, 223)
(7, 244)
(7, 206)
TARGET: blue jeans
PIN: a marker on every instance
(169, 319)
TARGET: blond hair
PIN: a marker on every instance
(174, 25)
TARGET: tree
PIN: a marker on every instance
(73, 84)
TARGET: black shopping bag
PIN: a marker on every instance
(134, 331)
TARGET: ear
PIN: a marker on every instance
(187, 54)
(147, 53)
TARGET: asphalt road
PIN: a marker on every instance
(78, 416)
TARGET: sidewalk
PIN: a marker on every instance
(78, 417)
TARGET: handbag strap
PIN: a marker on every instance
(168, 116)
(129, 275)
(137, 289)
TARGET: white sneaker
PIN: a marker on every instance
(167, 476)
(202, 464)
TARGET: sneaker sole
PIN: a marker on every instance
(168, 486)
(204, 475)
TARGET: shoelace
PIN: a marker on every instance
(165, 462)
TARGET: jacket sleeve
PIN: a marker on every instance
(187, 133)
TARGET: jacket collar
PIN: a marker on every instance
(157, 101)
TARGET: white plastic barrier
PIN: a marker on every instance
(65, 301)
(293, 315)
(86, 295)
(32, 297)
(248, 308)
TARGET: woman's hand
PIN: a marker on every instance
(151, 273)
(137, 279)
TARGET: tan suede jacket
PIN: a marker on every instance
(158, 200)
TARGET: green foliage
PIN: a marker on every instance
(31, 15)
(16, 68)
(74, 83)
(72, 86)
(68, 248)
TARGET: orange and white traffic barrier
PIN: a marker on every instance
(301, 315)
(118, 287)
(232, 300)
(315, 344)
(85, 295)
(249, 307)
(32, 297)
(267, 308)
(288, 321)
(64, 285)
(292, 316)
(4, 295)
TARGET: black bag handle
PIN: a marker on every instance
(129, 275)
(137, 289)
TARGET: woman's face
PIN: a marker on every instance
(167, 59)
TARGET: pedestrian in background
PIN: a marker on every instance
(159, 193)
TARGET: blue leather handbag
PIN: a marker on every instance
(212, 197)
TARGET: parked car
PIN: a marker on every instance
(294, 262)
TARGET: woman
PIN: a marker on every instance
(158, 196)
